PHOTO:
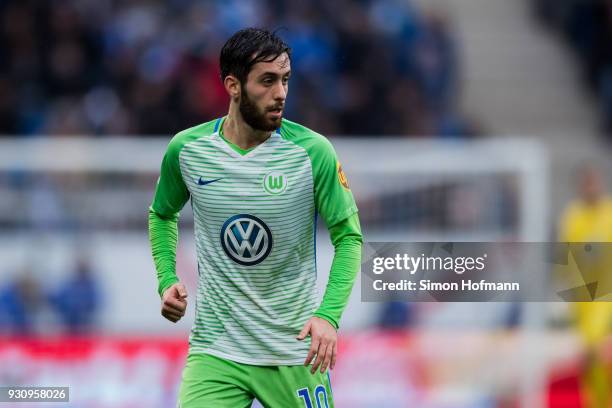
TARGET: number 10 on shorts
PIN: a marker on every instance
(320, 391)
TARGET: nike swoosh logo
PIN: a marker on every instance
(205, 182)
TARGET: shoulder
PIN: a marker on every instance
(189, 135)
(314, 143)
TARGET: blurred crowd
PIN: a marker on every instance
(29, 305)
(587, 27)
(144, 67)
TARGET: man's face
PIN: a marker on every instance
(262, 98)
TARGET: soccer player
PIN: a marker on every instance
(589, 219)
(256, 183)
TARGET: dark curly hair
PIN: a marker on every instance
(246, 48)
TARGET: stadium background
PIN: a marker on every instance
(455, 120)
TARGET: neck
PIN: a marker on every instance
(591, 201)
(237, 131)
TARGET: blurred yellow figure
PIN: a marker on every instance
(589, 219)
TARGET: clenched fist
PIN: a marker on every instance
(174, 302)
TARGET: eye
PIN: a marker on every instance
(267, 81)
(285, 80)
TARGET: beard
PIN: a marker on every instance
(254, 117)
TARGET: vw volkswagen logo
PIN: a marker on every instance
(246, 239)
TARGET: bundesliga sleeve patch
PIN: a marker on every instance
(341, 176)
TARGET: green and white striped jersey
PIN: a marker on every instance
(255, 220)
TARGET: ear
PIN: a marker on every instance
(232, 86)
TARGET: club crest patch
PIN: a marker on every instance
(341, 176)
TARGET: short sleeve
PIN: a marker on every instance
(333, 197)
(171, 193)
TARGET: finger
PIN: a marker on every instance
(304, 331)
(178, 305)
(171, 316)
(327, 359)
(182, 291)
(314, 346)
(334, 355)
(320, 356)
(173, 311)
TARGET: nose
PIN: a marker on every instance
(280, 92)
